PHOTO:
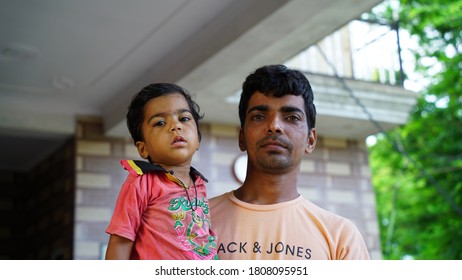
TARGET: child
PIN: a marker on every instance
(162, 211)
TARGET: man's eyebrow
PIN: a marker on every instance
(284, 109)
(290, 109)
(258, 108)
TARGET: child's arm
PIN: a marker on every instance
(118, 248)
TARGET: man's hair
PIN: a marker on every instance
(136, 109)
(278, 81)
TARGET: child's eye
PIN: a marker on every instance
(159, 123)
(185, 119)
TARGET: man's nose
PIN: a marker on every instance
(275, 125)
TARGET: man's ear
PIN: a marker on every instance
(140, 145)
(311, 143)
(242, 145)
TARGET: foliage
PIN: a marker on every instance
(417, 168)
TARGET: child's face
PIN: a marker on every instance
(169, 131)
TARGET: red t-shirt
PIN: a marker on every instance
(165, 220)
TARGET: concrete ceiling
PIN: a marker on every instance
(62, 59)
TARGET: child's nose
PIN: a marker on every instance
(176, 126)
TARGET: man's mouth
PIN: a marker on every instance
(273, 143)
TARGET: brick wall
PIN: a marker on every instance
(98, 181)
(336, 177)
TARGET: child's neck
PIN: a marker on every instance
(181, 172)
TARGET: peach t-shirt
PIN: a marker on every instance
(296, 229)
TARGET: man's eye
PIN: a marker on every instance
(257, 117)
(293, 118)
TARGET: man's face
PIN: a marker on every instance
(275, 133)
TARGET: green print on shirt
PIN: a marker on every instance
(185, 205)
(195, 236)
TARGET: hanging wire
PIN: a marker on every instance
(382, 131)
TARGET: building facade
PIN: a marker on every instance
(61, 208)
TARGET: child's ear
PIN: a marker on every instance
(140, 145)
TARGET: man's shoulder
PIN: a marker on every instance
(216, 200)
(325, 214)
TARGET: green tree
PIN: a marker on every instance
(417, 168)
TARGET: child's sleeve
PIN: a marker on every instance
(128, 209)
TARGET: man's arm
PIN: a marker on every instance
(118, 248)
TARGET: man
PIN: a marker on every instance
(266, 218)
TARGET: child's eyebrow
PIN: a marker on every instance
(162, 114)
(181, 111)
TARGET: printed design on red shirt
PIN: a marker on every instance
(193, 231)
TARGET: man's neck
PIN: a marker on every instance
(268, 189)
